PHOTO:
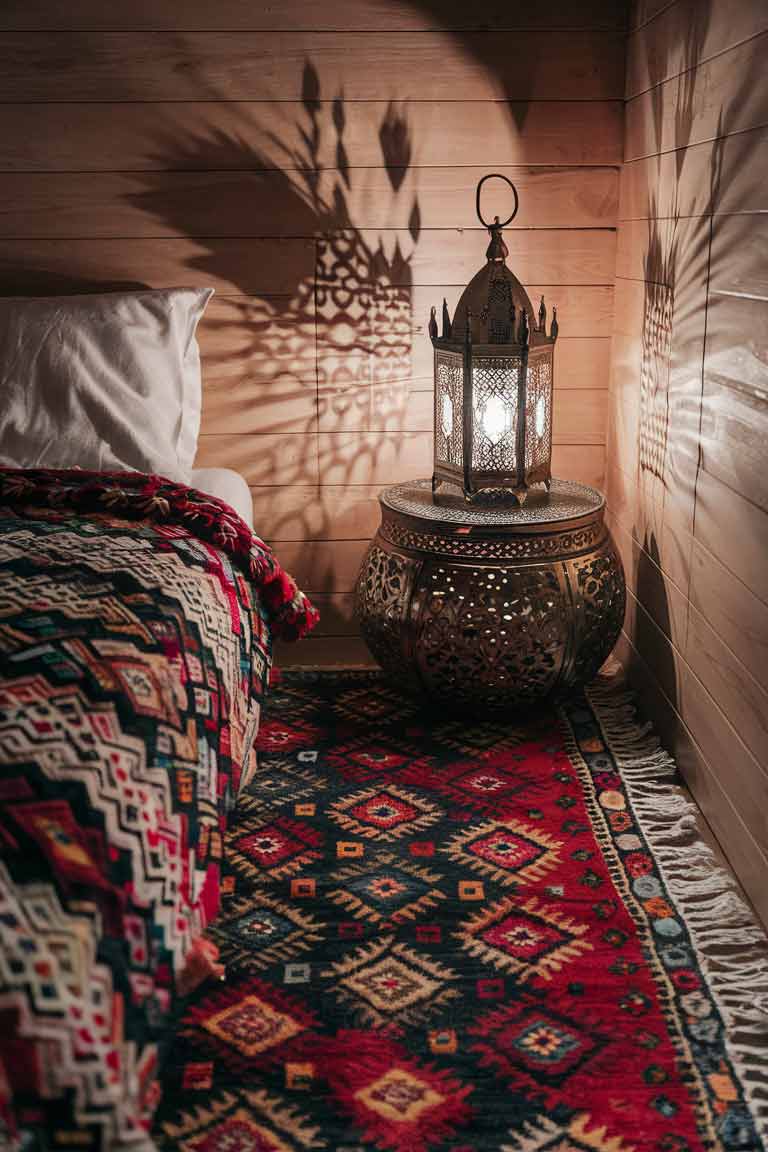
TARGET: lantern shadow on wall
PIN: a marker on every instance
(328, 349)
(686, 419)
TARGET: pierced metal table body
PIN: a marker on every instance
(489, 607)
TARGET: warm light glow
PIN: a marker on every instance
(447, 416)
(541, 414)
(496, 419)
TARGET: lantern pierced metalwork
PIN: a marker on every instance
(493, 370)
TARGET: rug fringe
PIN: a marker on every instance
(731, 946)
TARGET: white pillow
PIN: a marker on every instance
(108, 382)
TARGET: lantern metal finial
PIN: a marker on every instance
(493, 380)
(446, 321)
(497, 249)
(494, 295)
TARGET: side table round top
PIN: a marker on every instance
(566, 503)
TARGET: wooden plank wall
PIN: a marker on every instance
(688, 416)
(316, 163)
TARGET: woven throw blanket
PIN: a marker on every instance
(136, 619)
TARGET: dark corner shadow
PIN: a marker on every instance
(652, 594)
(474, 34)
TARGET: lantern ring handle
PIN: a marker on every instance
(510, 218)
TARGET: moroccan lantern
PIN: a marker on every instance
(493, 380)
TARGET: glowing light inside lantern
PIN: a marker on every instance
(447, 415)
(541, 414)
(496, 419)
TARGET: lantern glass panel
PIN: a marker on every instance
(494, 407)
(449, 379)
(538, 413)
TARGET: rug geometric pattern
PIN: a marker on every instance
(445, 945)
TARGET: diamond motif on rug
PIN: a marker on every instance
(276, 848)
(384, 813)
(478, 738)
(279, 735)
(247, 1121)
(262, 930)
(238, 1133)
(387, 887)
(395, 1102)
(399, 1096)
(489, 787)
(277, 782)
(527, 939)
(507, 851)
(252, 1026)
(250, 1023)
(386, 981)
(378, 703)
(366, 761)
(534, 1048)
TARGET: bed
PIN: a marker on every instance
(137, 613)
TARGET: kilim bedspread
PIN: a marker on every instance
(453, 937)
(135, 624)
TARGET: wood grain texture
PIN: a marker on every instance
(269, 266)
(286, 265)
(738, 690)
(734, 530)
(243, 65)
(254, 136)
(579, 414)
(329, 566)
(317, 512)
(315, 164)
(256, 350)
(216, 203)
(734, 430)
(720, 97)
(324, 652)
(742, 851)
(687, 33)
(275, 459)
(342, 15)
(717, 176)
(337, 614)
(747, 783)
(688, 404)
(239, 392)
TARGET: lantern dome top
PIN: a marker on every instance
(498, 307)
(494, 298)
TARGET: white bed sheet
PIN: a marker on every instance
(227, 485)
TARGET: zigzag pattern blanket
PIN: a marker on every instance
(136, 618)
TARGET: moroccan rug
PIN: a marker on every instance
(444, 937)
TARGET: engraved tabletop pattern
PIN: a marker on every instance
(566, 500)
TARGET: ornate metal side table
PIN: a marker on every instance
(490, 607)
